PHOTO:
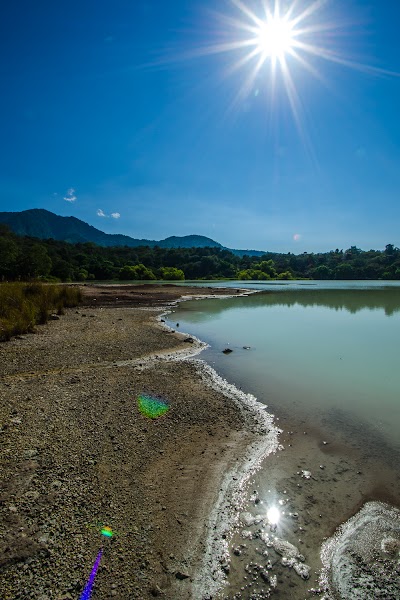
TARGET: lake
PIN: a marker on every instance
(324, 357)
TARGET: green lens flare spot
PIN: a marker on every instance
(152, 407)
(107, 532)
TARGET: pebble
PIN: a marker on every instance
(181, 575)
(32, 495)
(156, 591)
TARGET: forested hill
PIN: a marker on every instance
(45, 225)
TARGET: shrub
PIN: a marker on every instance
(22, 306)
(137, 272)
(172, 274)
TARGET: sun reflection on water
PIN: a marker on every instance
(273, 515)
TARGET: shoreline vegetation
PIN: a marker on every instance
(23, 306)
(25, 258)
(78, 455)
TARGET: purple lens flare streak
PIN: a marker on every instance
(87, 592)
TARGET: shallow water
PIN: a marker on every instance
(325, 361)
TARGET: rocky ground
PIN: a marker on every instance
(76, 453)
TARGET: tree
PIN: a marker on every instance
(8, 257)
(81, 275)
(172, 274)
(209, 266)
(244, 275)
(285, 275)
(254, 274)
(34, 261)
(389, 249)
(322, 272)
(137, 272)
(62, 269)
(267, 267)
(344, 271)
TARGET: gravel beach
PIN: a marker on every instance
(76, 453)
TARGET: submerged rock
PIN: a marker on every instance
(273, 581)
(362, 559)
(247, 519)
(302, 569)
(285, 548)
(390, 546)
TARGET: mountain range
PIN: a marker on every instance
(43, 224)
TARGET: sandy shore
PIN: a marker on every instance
(76, 453)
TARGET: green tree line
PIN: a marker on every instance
(26, 258)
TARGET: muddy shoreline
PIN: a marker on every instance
(76, 453)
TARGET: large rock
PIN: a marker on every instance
(362, 560)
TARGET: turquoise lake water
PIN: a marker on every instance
(324, 358)
(313, 348)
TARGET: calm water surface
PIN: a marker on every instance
(311, 349)
(324, 357)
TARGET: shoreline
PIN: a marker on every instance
(334, 465)
(224, 516)
(179, 462)
(225, 513)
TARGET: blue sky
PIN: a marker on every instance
(111, 112)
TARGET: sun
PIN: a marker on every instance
(271, 42)
(276, 45)
(275, 38)
(274, 48)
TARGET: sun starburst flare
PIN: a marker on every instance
(273, 41)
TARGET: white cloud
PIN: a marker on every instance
(101, 213)
(70, 195)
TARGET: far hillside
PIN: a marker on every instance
(45, 225)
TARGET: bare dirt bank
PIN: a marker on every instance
(77, 453)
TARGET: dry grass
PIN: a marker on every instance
(25, 305)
